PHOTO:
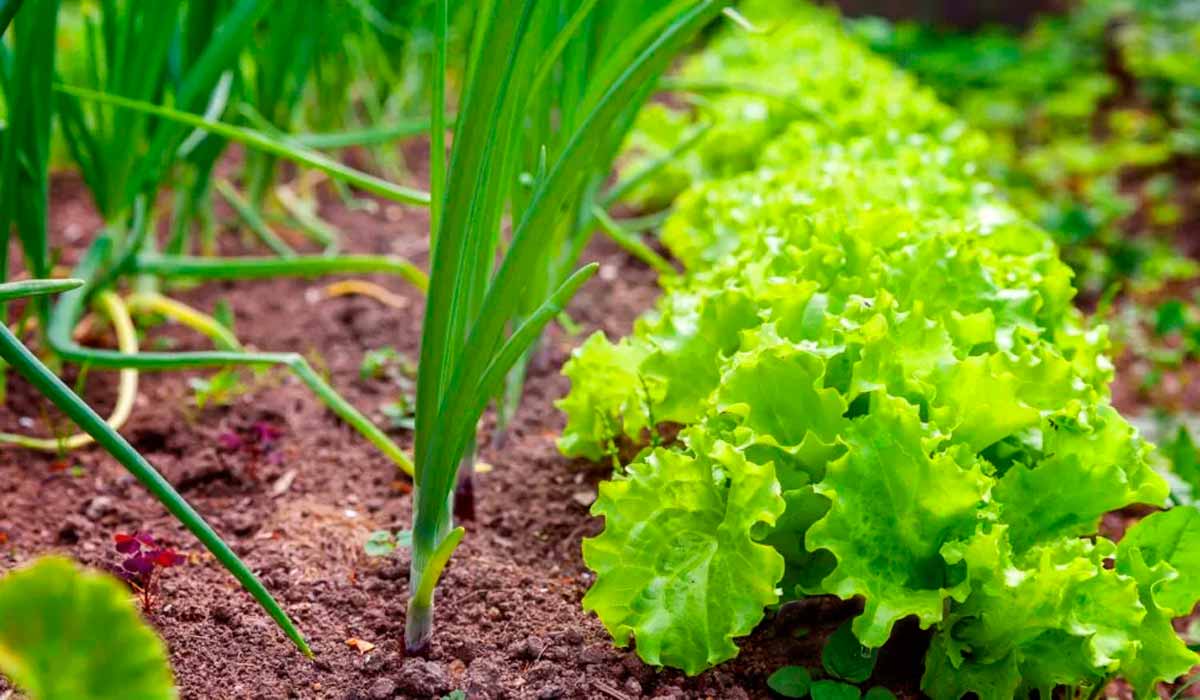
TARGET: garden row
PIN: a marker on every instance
(883, 391)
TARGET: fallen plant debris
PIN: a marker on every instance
(257, 445)
(359, 645)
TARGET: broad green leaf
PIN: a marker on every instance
(1104, 460)
(1053, 615)
(805, 569)
(1184, 458)
(845, 657)
(68, 634)
(790, 681)
(1169, 537)
(677, 566)
(689, 337)
(981, 402)
(894, 506)
(1161, 655)
(834, 690)
(778, 392)
(948, 677)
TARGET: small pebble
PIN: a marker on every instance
(99, 507)
(423, 678)
(382, 689)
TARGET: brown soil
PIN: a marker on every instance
(509, 623)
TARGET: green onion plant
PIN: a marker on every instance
(173, 52)
(281, 59)
(125, 179)
(479, 321)
(603, 36)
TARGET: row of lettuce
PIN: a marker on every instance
(883, 391)
(1088, 114)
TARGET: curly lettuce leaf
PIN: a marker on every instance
(777, 393)
(690, 335)
(1103, 460)
(607, 398)
(1162, 655)
(895, 502)
(677, 566)
(1162, 553)
(1171, 537)
(1052, 616)
(805, 569)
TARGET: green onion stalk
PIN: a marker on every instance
(479, 321)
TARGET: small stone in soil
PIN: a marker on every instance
(423, 678)
(632, 665)
(594, 654)
(572, 637)
(543, 671)
(465, 651)
(391, 572)
(481, 679)
(528, 649)
(99, 507)
(72, 529)
(378, 663)
(241, 523)
(382, 689)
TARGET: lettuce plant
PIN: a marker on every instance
(748, 88)
(886, 394)
(66, 633)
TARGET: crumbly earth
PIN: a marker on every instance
(509, 620)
